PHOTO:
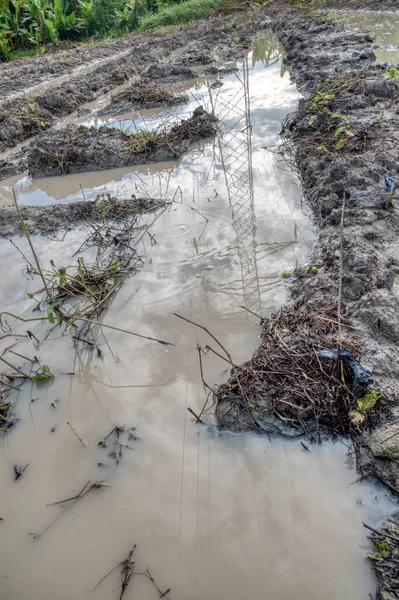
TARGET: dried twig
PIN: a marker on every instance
(209, 333)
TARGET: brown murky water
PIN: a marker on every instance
(214, 516)
(383, 27)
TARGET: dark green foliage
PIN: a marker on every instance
(28, 25)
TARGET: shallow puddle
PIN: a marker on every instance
(383, 27)
(214, 516)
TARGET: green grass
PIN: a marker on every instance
(179, 14)
(15, 54)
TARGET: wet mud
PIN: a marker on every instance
(43, 220)
(147, 59)
(142, 96)
(76, 149)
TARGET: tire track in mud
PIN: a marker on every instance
(26, 117)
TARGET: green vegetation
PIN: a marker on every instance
(27, 26)
(180, 13)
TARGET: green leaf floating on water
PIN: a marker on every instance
(43, 373)
(368, 401)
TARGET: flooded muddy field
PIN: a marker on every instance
(383, 27)
(132, 408)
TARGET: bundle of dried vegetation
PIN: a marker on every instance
(305, 374)
(83, 291)
(147, 95)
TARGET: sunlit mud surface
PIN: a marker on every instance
(214, 516)
(383, 27)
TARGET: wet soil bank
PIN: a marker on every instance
(43, 220)
(357, 4)
(329, 362)
(36, 112)
(142, 96)
(77, 148)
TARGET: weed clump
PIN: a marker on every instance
(303, 379)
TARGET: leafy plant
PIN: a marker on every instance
(363, 406)
(394, 74)
(43, 373)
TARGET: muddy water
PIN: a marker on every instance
(383, 27)
(214, 516)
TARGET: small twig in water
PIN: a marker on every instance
(190, 410)
(85, 490)
(201, 215)
(16, 368)
(19, 471)
(253, 313)
(32, 360)
(77, 435)
(146, 337)
(209, 333)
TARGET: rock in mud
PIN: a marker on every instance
(77, 149)
(384, 442)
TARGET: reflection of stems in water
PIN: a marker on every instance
(197, 211)
(178, 189)
(26, 232)
(144, 385)
(146, 337)
(206, 386)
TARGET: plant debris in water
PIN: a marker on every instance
(143, 95)
(302, 380)
(85, 290)
(78, 148)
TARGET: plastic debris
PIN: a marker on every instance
(360, 375)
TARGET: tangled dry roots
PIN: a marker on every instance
(298, 377)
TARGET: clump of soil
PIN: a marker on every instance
(142, 95)
(167, 73)
(20, 120)
(356, 4)
(385, 557)
(43, 220)
(76, 149)
(303, 379)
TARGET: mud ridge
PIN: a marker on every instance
(43, 220)
(142, 96)
(342, 141)
(77, 148)
(26, 117)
